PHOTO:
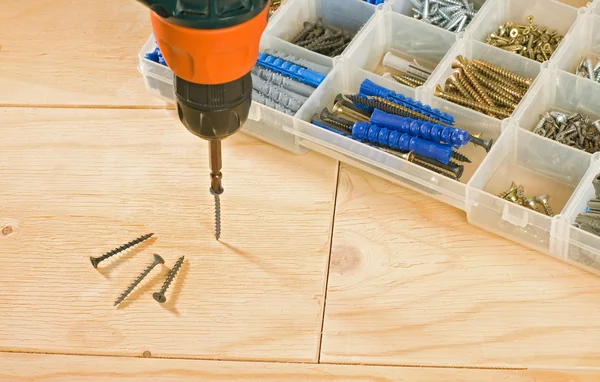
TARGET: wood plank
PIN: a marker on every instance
(411, 282)
(26, 367)
(76, 183)
(81, 52)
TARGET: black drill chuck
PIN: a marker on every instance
(213, 111)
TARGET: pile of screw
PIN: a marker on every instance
(324, 39)
(527, 40)
(575, 130)
(587, 69)
(590, 220)
(158, 296)
(452, 15)
(516, 195)
(484, 87)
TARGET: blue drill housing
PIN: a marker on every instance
(417, 128)
(370, 88)
(400, 141)
(289, 69)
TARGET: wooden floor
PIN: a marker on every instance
(323, 272)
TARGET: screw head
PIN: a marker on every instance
(158, 259)
(159, 297)
(94, 261)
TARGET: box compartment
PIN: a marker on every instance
(542, 167)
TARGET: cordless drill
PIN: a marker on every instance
(211, 47)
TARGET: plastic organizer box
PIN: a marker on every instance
(542, 165)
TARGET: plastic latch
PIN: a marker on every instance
(515, 215)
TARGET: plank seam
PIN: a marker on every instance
(328, 265)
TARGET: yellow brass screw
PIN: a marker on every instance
(503, 72)
(465, 91)
(469, 103)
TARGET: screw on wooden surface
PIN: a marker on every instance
(131, 287)
(97, 260)
(160, 295)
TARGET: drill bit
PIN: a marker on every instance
(216, 189)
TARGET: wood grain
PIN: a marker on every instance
(76, 183)
(27, 367)
(63, 52)
(412, 283)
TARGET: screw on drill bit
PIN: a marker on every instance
(217, 214)
(460, 157)
(131, 287)
(216, 176)
(160, 295)
(97, 260)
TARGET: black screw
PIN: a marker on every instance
(157, 260)
(160, 295)
(486, 144)
(455, 168)
(460, 157)
(97, 260)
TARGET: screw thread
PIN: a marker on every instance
(434, 169)
(172, 275)
(460, 157)
(464, 87)
(498, 79)
(217, 217)
(123, 247)
(478, 88)
(548, 209)
(494, 87)
(336, 123)
(135, 282)
(524, 81)
(472, 104)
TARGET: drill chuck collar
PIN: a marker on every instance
(213, 111)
